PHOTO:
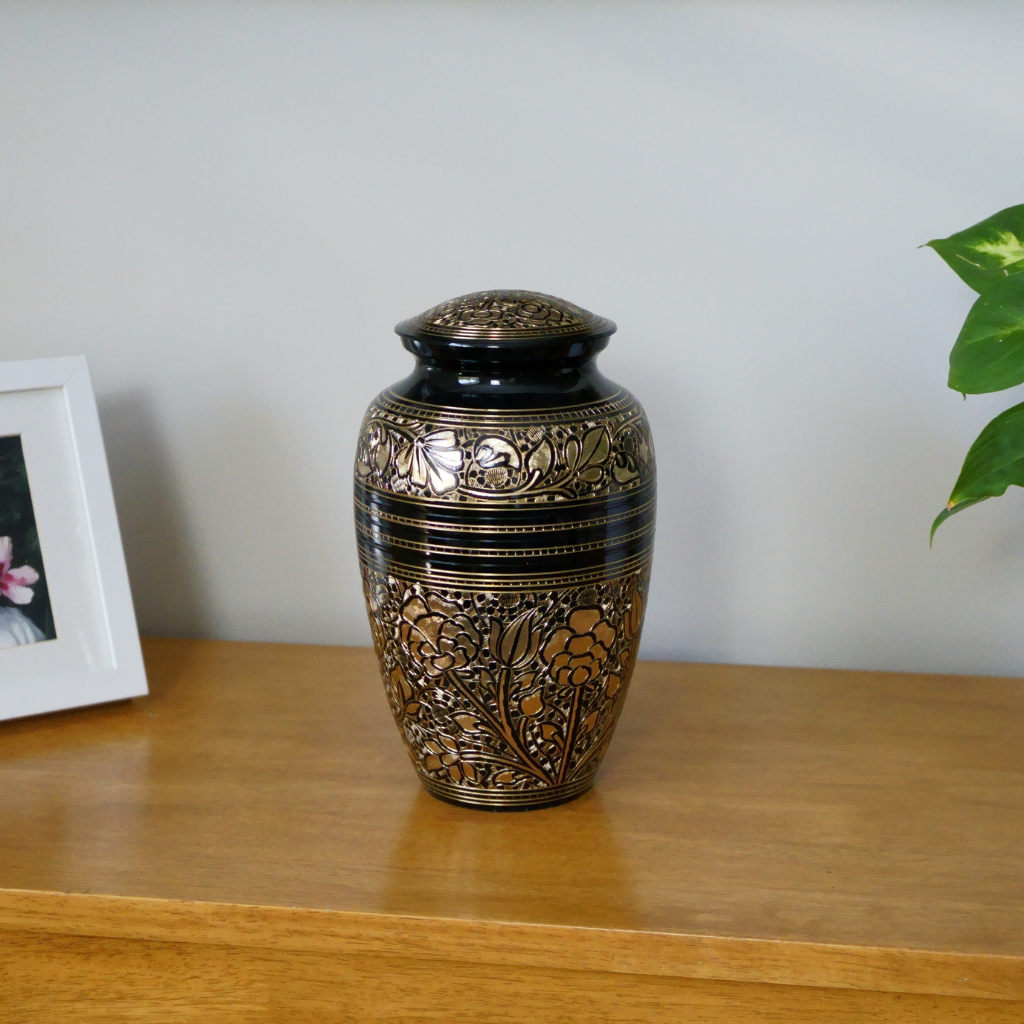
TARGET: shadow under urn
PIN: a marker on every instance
(505, 508)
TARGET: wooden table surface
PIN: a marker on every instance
(249, 843)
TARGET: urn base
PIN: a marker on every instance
(506, 800)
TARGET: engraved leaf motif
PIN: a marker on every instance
(365, 452)
(624, 469)
(596, 446)
(572, 453)
(401, 683)
(496, 451)
(541, 458)
(383, 453)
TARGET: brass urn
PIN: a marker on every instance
(505, 501)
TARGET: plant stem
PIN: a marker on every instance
(509, 733)
(570, 733)
(499, 727)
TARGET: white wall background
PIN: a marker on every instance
(228, 205)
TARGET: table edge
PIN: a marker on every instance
(565, 947)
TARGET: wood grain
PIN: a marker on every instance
(103, 980)
(517, 945)
(804, 833)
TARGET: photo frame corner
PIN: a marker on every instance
(92, 652)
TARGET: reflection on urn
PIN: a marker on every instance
(505, 515)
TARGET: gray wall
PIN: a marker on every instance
(227, 206)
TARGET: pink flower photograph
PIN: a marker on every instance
(25, 613)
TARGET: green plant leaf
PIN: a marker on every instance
(993, 463)
(989, 352)
(988, 251)
(947, 512)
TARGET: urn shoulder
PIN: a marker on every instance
(595, 449)
(506, 404)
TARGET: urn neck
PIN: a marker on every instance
(505, 349)
(497, 386)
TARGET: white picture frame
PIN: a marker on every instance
(95, 655)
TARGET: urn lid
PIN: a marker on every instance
(501, 319)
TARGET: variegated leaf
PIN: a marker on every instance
(988, 251)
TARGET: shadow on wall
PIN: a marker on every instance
(691, 608)
(163, 565)
(277, 530)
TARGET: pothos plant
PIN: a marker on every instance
(989, 352)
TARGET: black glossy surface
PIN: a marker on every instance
(517, 382)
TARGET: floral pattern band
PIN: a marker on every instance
(599, 449)
(506, 698)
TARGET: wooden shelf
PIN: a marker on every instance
(250, 844)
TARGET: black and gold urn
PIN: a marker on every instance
(504, 500)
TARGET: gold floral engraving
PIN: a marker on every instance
(599, 449)
(514, 314)
(511, 696)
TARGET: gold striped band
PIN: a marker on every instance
(481, 581)
(429, 548)
(388, 401)
(524, 528)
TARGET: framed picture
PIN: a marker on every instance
(67, 626)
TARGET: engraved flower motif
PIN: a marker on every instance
(515, 644)
(437, 635)
(576, 654)
(434, 458)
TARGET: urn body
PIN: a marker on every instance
(505, 508)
